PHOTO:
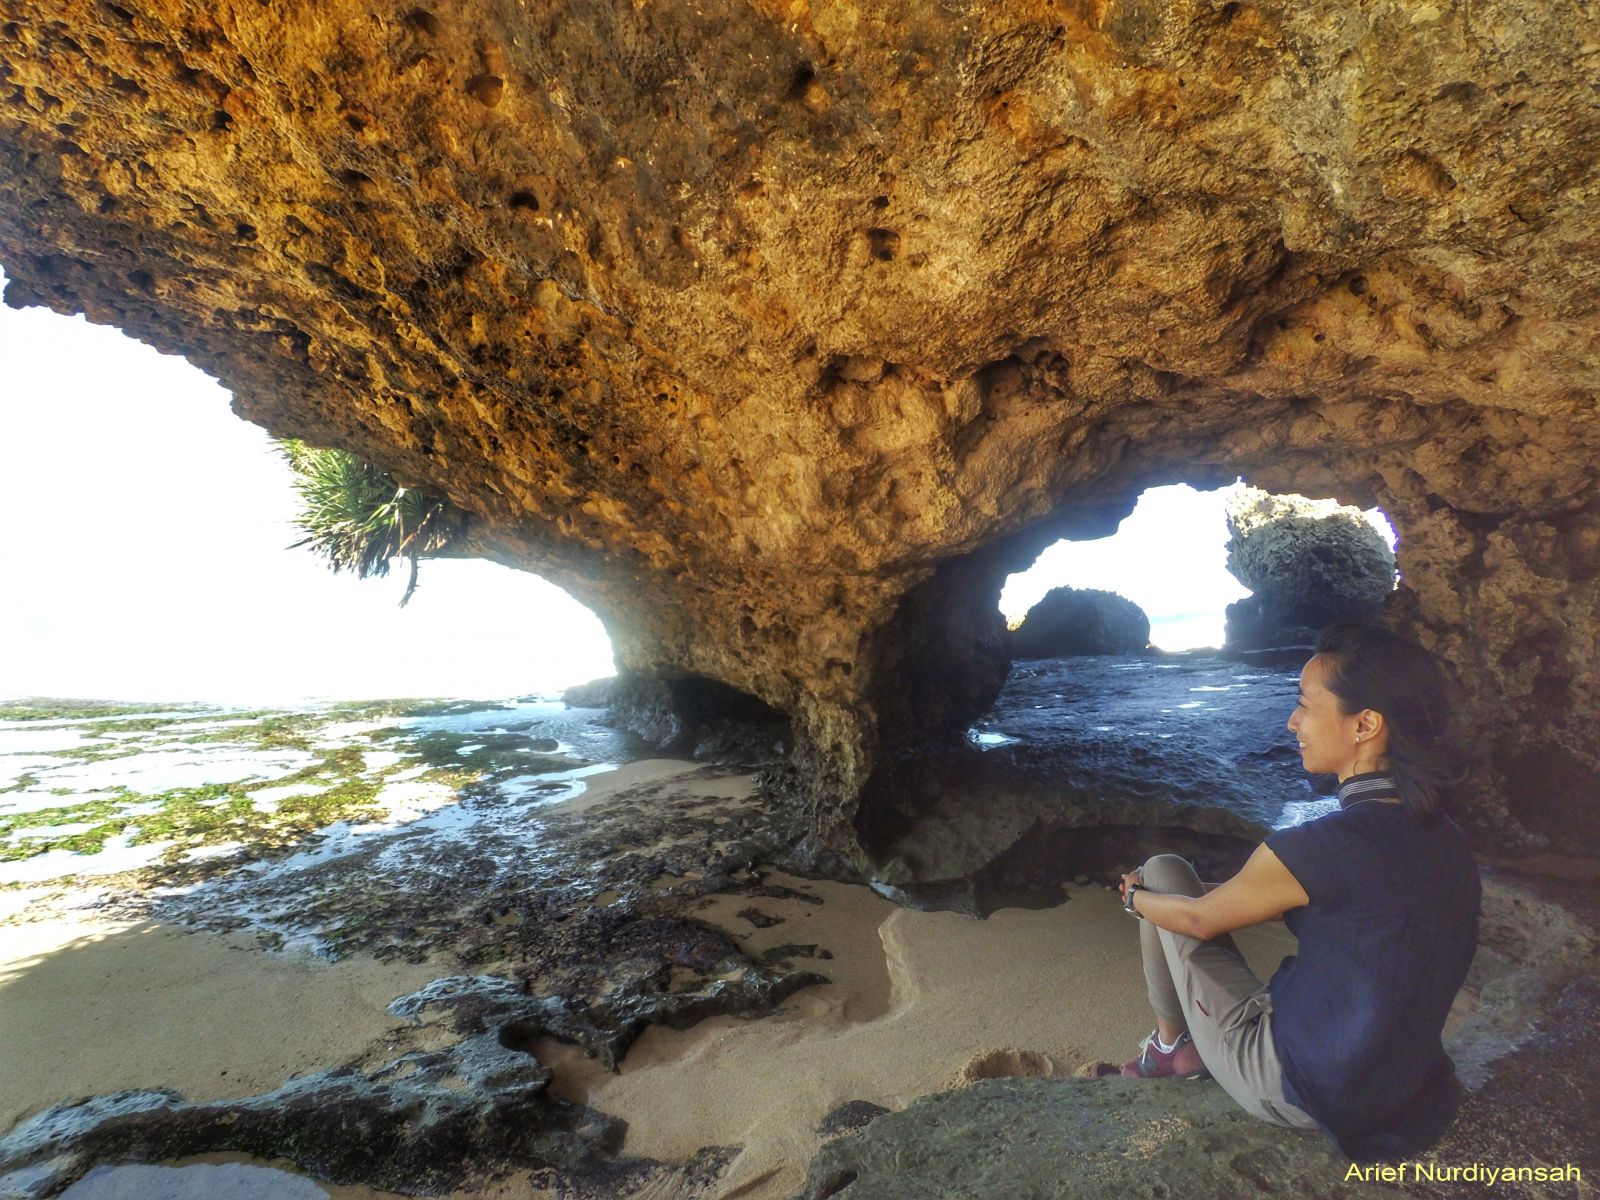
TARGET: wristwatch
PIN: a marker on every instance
(1127, 900)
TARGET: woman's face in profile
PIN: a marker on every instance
(1327, 738)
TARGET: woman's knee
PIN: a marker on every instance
(1171, 873)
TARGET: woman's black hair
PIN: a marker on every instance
(1370, 666)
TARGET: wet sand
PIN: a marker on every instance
(918, 1002)
(90, 1007)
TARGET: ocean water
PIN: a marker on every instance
(1193, 729)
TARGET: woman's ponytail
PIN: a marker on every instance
(1370, 666)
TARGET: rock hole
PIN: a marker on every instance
(525, 200)
(835, 1185)
(1318, 337)
(880, 202)
(356, 123)
(144, 281)
(122, 14)
(1358, 285)
(486, 89)
(521, 1035)
(1462, 93)
(803, 77)
(10, 31)
(885, 244)
(127, 87)
(423, 21)
(1227, 13)
(353, 177)
(221, 122)
(244, 231)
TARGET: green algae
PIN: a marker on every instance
(455, 777)
(101, 813)
(194, 817)
(337, 790)
(336, 787)
(41, 708)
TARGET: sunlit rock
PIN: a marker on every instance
(1307, 563)
(773, 337)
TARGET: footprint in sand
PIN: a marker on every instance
(1009, 1061)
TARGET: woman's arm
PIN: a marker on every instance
(1263, 889)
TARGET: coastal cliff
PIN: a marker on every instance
(780, 339)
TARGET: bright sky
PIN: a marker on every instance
(1168, 556)
(147, 559)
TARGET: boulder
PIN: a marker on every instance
(1308, 562)
(1081, 621)
(1074, 1138)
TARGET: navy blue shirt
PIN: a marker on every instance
(1385, 944)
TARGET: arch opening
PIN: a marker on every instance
(1117, 729)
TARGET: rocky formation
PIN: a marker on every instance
(779, 339)
(416, 1123)
(1062, 1139)
(1308, 562)
(1081, 621)
(692, 716)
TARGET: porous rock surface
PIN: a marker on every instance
(1066, 1139)
(1306, 562)
(779, 338)
(1081, 621)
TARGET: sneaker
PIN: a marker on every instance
(1181, 1062)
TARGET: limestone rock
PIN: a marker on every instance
(1308, 563)
(417, 1122)
(691, 715)
(1081, 621)
(1073, 1138)
(776, 338)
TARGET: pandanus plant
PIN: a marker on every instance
(359, 518)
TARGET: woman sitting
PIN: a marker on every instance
(1382, 895)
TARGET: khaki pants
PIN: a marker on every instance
(1208, 987)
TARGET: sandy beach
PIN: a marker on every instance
(918, 1002)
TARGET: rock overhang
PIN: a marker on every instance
(776, 339)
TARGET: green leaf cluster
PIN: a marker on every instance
(359, 518)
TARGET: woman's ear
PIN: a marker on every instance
(1369, 724)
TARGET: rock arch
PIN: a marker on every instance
(772, 340)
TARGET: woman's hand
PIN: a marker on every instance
(1134, 876)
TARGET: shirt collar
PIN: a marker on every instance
(1374, 785)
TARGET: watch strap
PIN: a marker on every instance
(1127, 902)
